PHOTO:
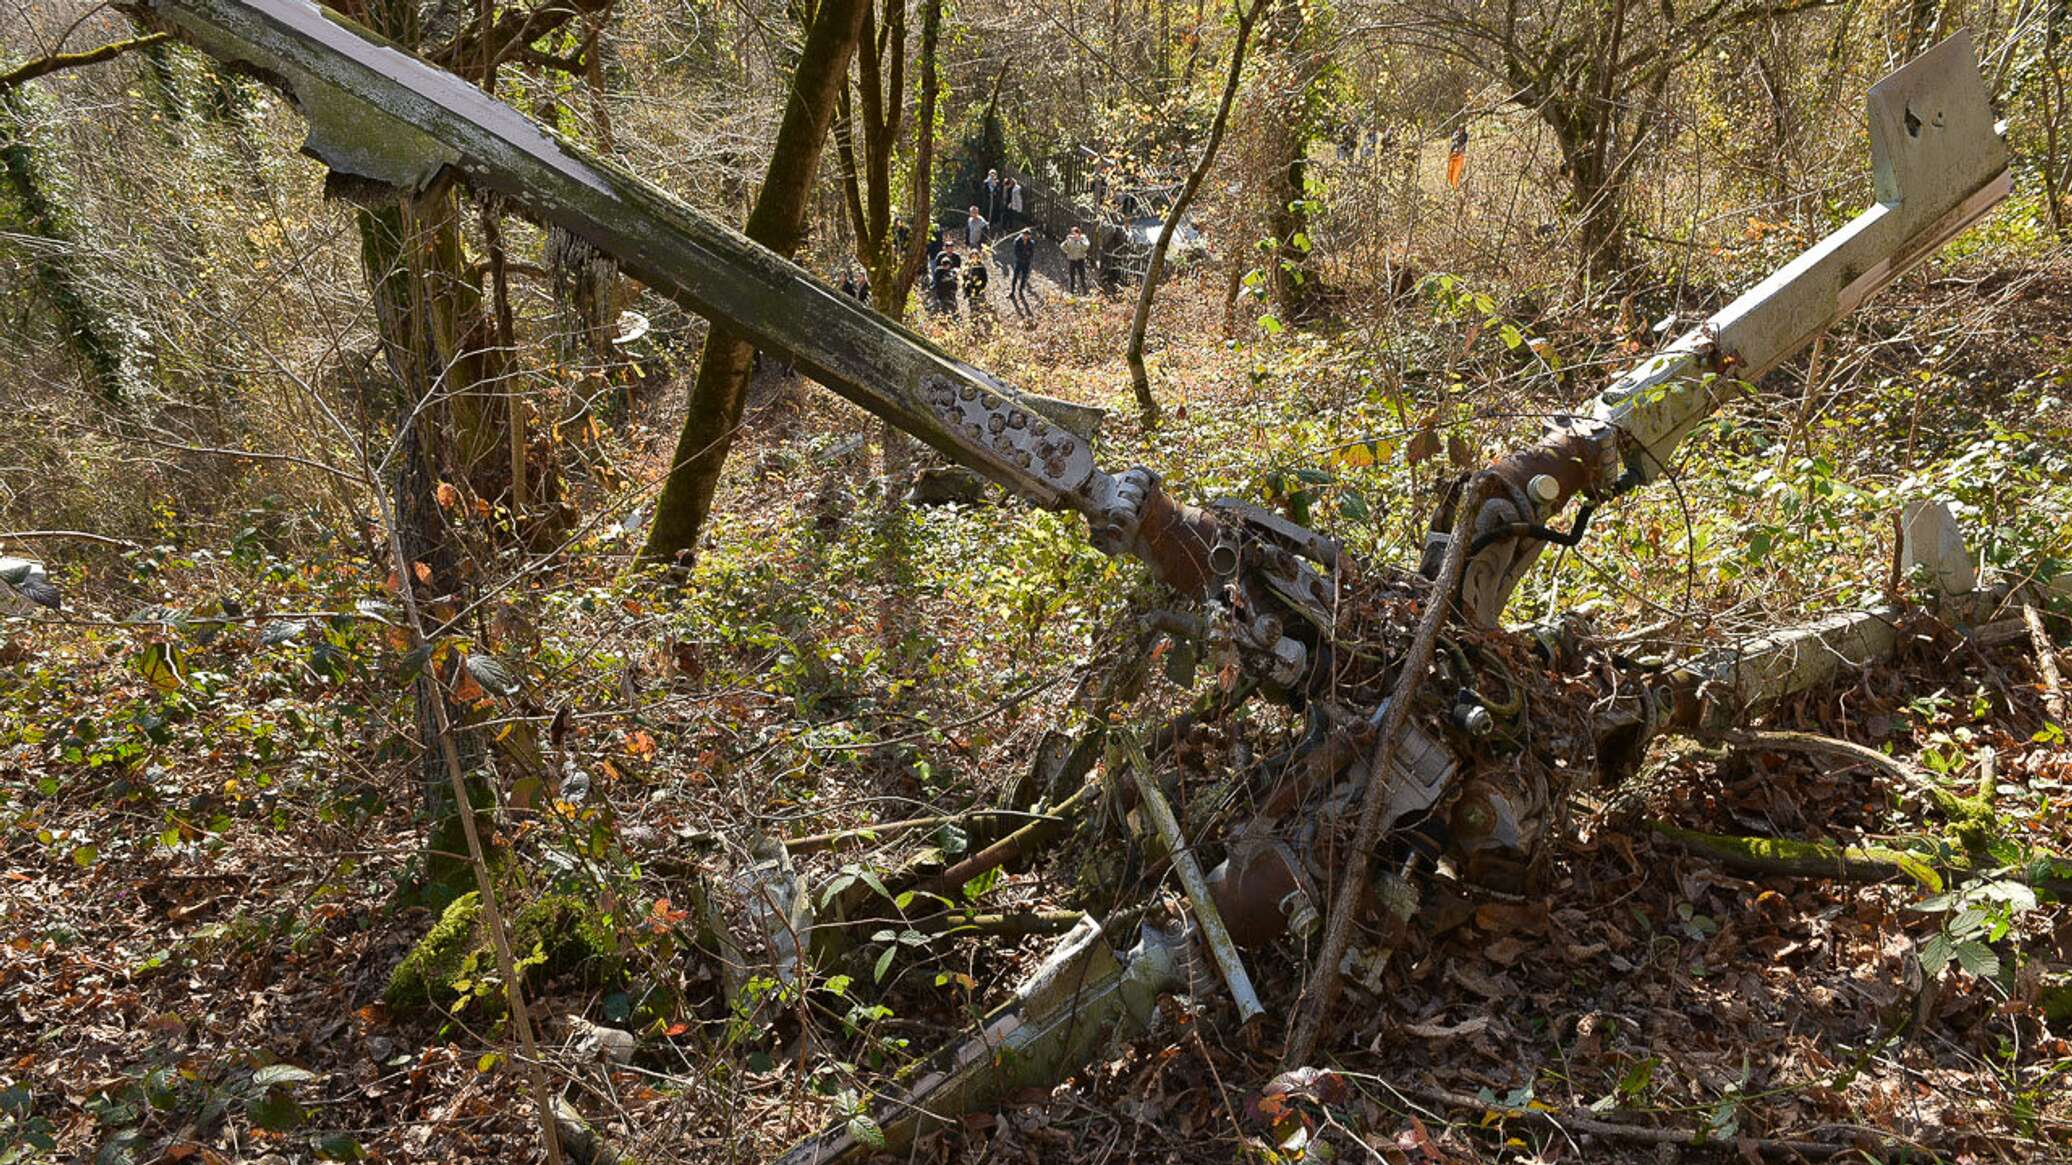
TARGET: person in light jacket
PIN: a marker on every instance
(1075, 248)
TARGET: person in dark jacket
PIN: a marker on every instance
(1024, 258)
(946, 267)
(975, 279)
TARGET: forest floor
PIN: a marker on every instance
(213, 826)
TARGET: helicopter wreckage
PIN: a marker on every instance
(1435, 737)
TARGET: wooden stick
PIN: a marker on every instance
(485, 885)
(1015, 846)
(1572, 1121)
(1352, 887)
(30, 70)
(1214, 934)
(2046, 664)
(1912, 776)
(834, 839)
(77, 535)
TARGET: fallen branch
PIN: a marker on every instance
(76, 535)
(1572, 1122)
(835, 839)
(1910, 775)
(1015, 924)
(1015, 846)
(2046, 664)
(1771, 856)
(1214, 934)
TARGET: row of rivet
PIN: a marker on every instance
(1004, 424)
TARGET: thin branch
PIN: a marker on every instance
(28, 71)
(75, 535)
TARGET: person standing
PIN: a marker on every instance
(1024, 258)
(975, 280)
(1075, 247)
(946, 265)
(975, 225)
(1014, 203)
(992, 194)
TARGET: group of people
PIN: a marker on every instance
(953, 269)
(950, 272)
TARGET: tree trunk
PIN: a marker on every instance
(1594, 187)
(1140, 379)
(901, 266)
(441, 350)
(777, 222)
(32, 206)
(1289, 125)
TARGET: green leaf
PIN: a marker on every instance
(838, 984)
(884, 965)
(162, 665)
(871, 880)
(274, 1074)
(276, 1111)
(836, 885)
(864, 1129)
(84, 855)
(1270, 325)
(1935, 954)
(1978, 959)
(982, 882)
(340, 1147)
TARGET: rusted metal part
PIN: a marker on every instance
(1177, 541)
(1262, 893)
(1326, 761)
